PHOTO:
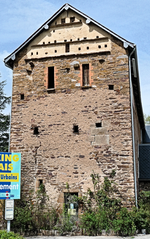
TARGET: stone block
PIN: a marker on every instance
(101, 139)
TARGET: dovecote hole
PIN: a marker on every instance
(75, 129)
(22, 96)
(98, 125)
(110, 87)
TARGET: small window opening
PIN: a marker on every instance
(68, 70)
(55, 51)
(55, 41)
(62, 20)
(87, 47)
(70, 39)
(105, 45)
(79, 48)
(101, 61)
(65, 40)
(99, 46)
(29, 72)
(72, 19)
(22, 96)
(85, 74)
(40, 182)
(98, 125)
(97, 36)
(36, 53)
(78, 39)
(43, 42)
(75, 129)
(36, 132)
(46, 53)
(31, 53)
(67, 47)
(49, 42)
(110, 87)
(53, 30)
(71, 205)
(85, 38)
(50, 77)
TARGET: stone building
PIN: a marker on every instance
(76, 106)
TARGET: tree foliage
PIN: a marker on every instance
(147, 119)
(4, 119)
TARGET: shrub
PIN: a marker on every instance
(10, 235)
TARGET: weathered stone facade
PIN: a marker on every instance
(101, 110)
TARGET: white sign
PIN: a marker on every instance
(9, 209)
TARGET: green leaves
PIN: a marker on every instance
(10, 235)
(4, 120)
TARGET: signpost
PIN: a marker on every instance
(10, 178)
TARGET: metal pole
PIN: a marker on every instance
(8, 226)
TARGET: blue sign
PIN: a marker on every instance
(10, 175)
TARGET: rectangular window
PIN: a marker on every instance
(67, 47)
(71, 205)
(85, 72)
(51, 78)
(72, 19)
(62, 20)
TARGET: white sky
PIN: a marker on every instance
(129, 19)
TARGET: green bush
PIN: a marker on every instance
(124, 224)
(31, 215)
(104, 211)
(10, 235)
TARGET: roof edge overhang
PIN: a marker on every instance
(10, 59)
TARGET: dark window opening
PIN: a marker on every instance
(46, 53)
(62, 20)
(29, 72)
(36, 130)
(51, 77)
(55, 51)
(111, 87)
(99, 46)
(53, 30)
(68, 70)
(43, 42)
(106, 45)
(85, 70)
(37, 53)
(85, 38)
(87, 47)
(40, 182)
(49, 42)
(55, 41)
(65, 40)
(101, 61)
(98, 125)
(31, 53)
(22, 96)
(78, 39)
(71, 205)
(75, 128)
(97, 36)
(70, 39)
(67, 47)
(72, 19)
(79, 48)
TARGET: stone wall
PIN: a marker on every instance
(58, 155)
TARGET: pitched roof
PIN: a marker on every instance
(9, 59)
(131, 46)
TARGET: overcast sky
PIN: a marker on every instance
(129, 19)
